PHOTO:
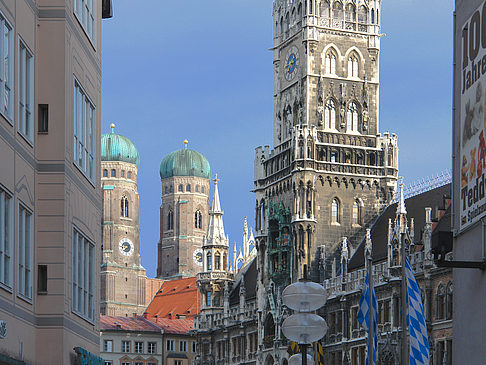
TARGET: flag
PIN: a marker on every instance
(363, 315)
(293, 348)
(419, 342)
(319, 353)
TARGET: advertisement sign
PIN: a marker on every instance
(472, 119)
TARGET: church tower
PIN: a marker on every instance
(184, 215)
(122, 276)
(214, 280)
(330, 171)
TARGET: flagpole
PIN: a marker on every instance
(370, 311)
(404, 337)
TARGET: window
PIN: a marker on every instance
(126, 363)
(353, 66)
(170, 220)
(197, 188)
(170, 345)
(105, 173)
(208, 299)
(171, 189)
(108, 345)
(139, 347)
(325, 10)
(331, 63)
(203, 190)
(125, 346)
(194, 347)
(209, 261)
(84, 132)
(129, 175)
(166, 190)
(335, 218)
(356, 212)
(181, 188)
(25, 249)
(26, 92)
(6, 222)
(85, 11)
(330, 115)
(449, 300)
(151, 347)
(177, 362)
(217, 262)
(350, 13)
(138, 363)
(122, 173)
(83, 276)
(363, 14)
(124, 207)
(43, 118)
(183, 346)
(337, 13)
(198, 219)
(113, 173)
(188, 187)
(352, 124)
(6, 68)
(108, 362)
(440, 302)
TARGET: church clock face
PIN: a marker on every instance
(126, 247)
(291, 64)
(197, 256)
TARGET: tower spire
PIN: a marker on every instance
(401, 202)
(215, 235)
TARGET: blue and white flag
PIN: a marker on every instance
(363, 315)
(419, 342)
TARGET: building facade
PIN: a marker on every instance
(50, 201)
(184, 211)
(122, 275)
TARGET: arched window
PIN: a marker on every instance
(440, 302)
(124, 207)
(449, 299)
(225, 262)
(335, 216)
(372, 16)
(325, 9)
(352, 124)
(330, 115)
(377, 17)
(311, 8)
(105, 173)
(294, 17)
(287, 22)
(129, 174)
(113, 173)
(122, 173)
(362, 14)
(188, 187)
(181, 188)
(276, 28)
(198, 219)
(217, 261)
(337, 14)
(208, 298)
(331, 63)
(350, 13)
(171, 189)
(209, 261)
(166, 190)
(353, 66)
(170, 220)
(197, 188)
(356, 212)
(203, 190)
(282, 29)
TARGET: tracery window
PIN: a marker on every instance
(352, 124)
(335, 216)
(356, 212)
(188, 187)
(363, 14)
(170, 220)
(331, 63)
(181, 188)
(350, 13)
(353, 66)
(124, 207)
(330, 115)
(337, 14)
(217, 261)
(325, 10)
(209, 261)
(198, 219)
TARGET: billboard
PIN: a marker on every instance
(472, 119)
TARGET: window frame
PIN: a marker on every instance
(182, 345)
(25, 87)
(91, 34)
(88, 135)
(151, 347)
(330, 114)
(88, 294)
(170, 345)
(124, 345)
(105, 347)
(7, 238)
(335, 207)
(25, 265)
(136, 349)
(7, 82)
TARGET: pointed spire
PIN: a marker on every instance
(245, 240)
(345, 249)
(369, 245)
(216, 206)
(216, 235)
(401, 202)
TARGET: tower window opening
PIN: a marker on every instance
(209, 261)
(113, 173)
(350, 13)
(353, 66)
(330, 115)
(122, 173)
(335, 216)
(171, 189)
(325, 10)
(363, 14)
(170, 220)
(331, 63)
(337, 14)
(198, 219)
(124, 207)
(129, 174)
(203, 190)
(197, 188)
(166, 190)
(225, 262)
(208, 298)
(105, 173)
(372, 16)
(217, 262)
(188, 187)
(181, 188)
(356, 212)
(352, 124)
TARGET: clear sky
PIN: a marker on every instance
(202, 71)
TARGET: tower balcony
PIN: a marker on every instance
(215, 275)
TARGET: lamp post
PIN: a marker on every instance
(304, 327)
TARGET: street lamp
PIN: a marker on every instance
(304, 327)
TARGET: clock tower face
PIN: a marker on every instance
(291, 65)
(198, 257)
(126, 247)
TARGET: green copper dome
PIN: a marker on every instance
(185, 162)
(115, 147)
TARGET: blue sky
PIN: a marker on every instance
(202, 71)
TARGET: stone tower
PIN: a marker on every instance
(330, 171)
(122, 276)
(184, 215)
(214, 280)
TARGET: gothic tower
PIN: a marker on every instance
(330, 170)
(214, 280)
(122, 276)
(184, 216)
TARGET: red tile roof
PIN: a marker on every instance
(174, 299)
(136, 324)
(174, 326)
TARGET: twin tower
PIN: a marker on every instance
(184, 217)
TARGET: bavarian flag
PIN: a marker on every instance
(318, 353)
(293, 348)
